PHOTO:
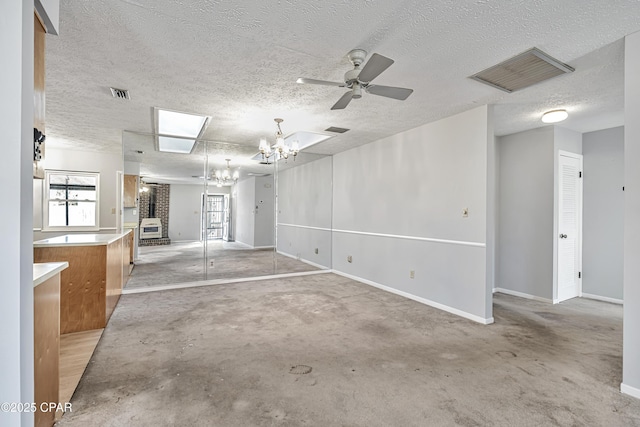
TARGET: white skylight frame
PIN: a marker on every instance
(178, 132)
(306, 139)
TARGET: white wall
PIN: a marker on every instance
(265, 212)
(397, 206)
(304, 211)
(526, 203)
(631, 275)
(603, 219)
(16, 255)
(106, 164)
(245, 211)
(185, 210)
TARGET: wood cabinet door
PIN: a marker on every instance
(130, 191)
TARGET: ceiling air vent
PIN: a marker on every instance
(521, 71)
(336, 129)
(120, 93)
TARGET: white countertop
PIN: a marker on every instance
(80, 240)
(46, 270)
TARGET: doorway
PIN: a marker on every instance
(569, 252)
(216, 217)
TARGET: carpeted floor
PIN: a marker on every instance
(231, 355)
(185, 262)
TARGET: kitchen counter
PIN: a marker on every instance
(130, 225)
(98, 268)
(79, 240)
(46, 270)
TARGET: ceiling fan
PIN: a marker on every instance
(360, 78)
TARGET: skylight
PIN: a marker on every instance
(178, 131)
(170, 144)
(306, 139)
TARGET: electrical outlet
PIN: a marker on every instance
(349, 258)
(412, 274)
(316, 251)
(465, 213)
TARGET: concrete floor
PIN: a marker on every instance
(184, 262)
(230, 355)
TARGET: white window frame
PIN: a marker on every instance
(45, 202)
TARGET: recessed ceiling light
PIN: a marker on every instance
(554, 116)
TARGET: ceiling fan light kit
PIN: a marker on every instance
(359, 79)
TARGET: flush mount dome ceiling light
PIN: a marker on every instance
(554, 116)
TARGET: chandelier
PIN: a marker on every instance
(225, 176)
(281, 150)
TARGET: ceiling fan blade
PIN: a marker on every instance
(389, 91)
(319, 82)
(343, 101)
(374, 67)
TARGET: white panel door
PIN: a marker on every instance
(569, 227)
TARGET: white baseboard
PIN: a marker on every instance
(253, 247)
(425, 301)
(601, 298)
(522, 295)
(631, 391)
(306, 261)
(201, 283)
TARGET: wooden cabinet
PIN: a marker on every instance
(90, 288)
(46, 339)
(130, 191)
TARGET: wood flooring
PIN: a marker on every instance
(76, 350)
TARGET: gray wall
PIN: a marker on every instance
(106, 164)
(603, 218)
(525, 228)
(631, 334)
(245, 211)
(304, 211)
(397, 206)
(265, 212)
(254, 211)
(16, 262)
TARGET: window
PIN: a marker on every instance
(71, 201)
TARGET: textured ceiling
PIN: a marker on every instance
(237, 61)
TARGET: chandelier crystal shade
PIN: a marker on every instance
(225, 176)
(280, 149)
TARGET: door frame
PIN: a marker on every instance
(556, 220)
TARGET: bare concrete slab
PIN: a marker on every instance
(324, 350)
